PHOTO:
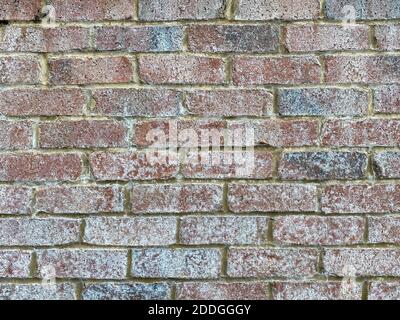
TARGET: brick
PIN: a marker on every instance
(361, 198)
(62, 291)
(16, 135)
(387, 99)
(15, 200)
(223, 230)
(362, 69)
(276, 70)
(258, 262)
(313, 230)
(364, 262)
(150, 10)
(126, 291)
(130, 231)
(388, 37)
(364, 9)
(93, 10)
(379, 290)
(137, 102)
(306, 38)
(228, 165)
(23, 10)
(384, 229)
(323, 165)
(170, 198)
(15, 264)
(126, 166)
(83, 134)
(277, 10)
(171, 69)
(90, 70)
(38, 232)
(38, 102)
(316, 291)
(37, 39)
(233, 38)
(21, 70)
(83, 263)
(323, 102)
(387, 165)
(279, 132)
(230, 103)
(361, 133)
(221, 291)
(80, 200)
(40, 167)
(272, 197)
(139, 39)
(176, 263)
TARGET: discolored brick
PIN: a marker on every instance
(387, 165)
(15, 200)
(19, 70)
(388, 37)
(384, 290)
(15, 264)
(62, 291)
(384, 229)
(387, 99)
(16, 135)
(25, 10)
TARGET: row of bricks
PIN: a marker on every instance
(195, 263)
(294, 290)
(199, 230)
(167, 10)
(326, 101)
(195, 69)
(201, 38)
(203, 198)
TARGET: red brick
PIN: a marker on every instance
(38, 102)
(15, 200)
(83, 263)
(277, 9)
(181, 10)
(388, 37)
(126, 166)
(90, 70)
(279, 132)
(384, 229)
(323, 165)
(15, 264)
(21, 70)
(272, 197)
(364, 262)
(130, 231)
(80, 200)
(306, 38)
(313, 230)
(40, 167)
(228, 165)
(387, 165)
(361, 133)
(316, 291)
(180, 198)
(276, 70)
(387, 99)
(258, 262)
(92, 10)
(139, 39)
(384, 290)
(233, 38)
(222, 291)
(176, 263)
(362, 69)
(23, 10)
(83, 134)
(62, 291)
(39, 232)
(223, 230)
(230, 103)
(16, 135)
(171, 69)
(137, 102)
(37, 39)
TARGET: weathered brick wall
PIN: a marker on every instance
(80, 201)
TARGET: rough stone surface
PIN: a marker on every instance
(387, 165)
(387, 99)
(64, 291)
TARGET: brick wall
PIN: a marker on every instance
(85, 214)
